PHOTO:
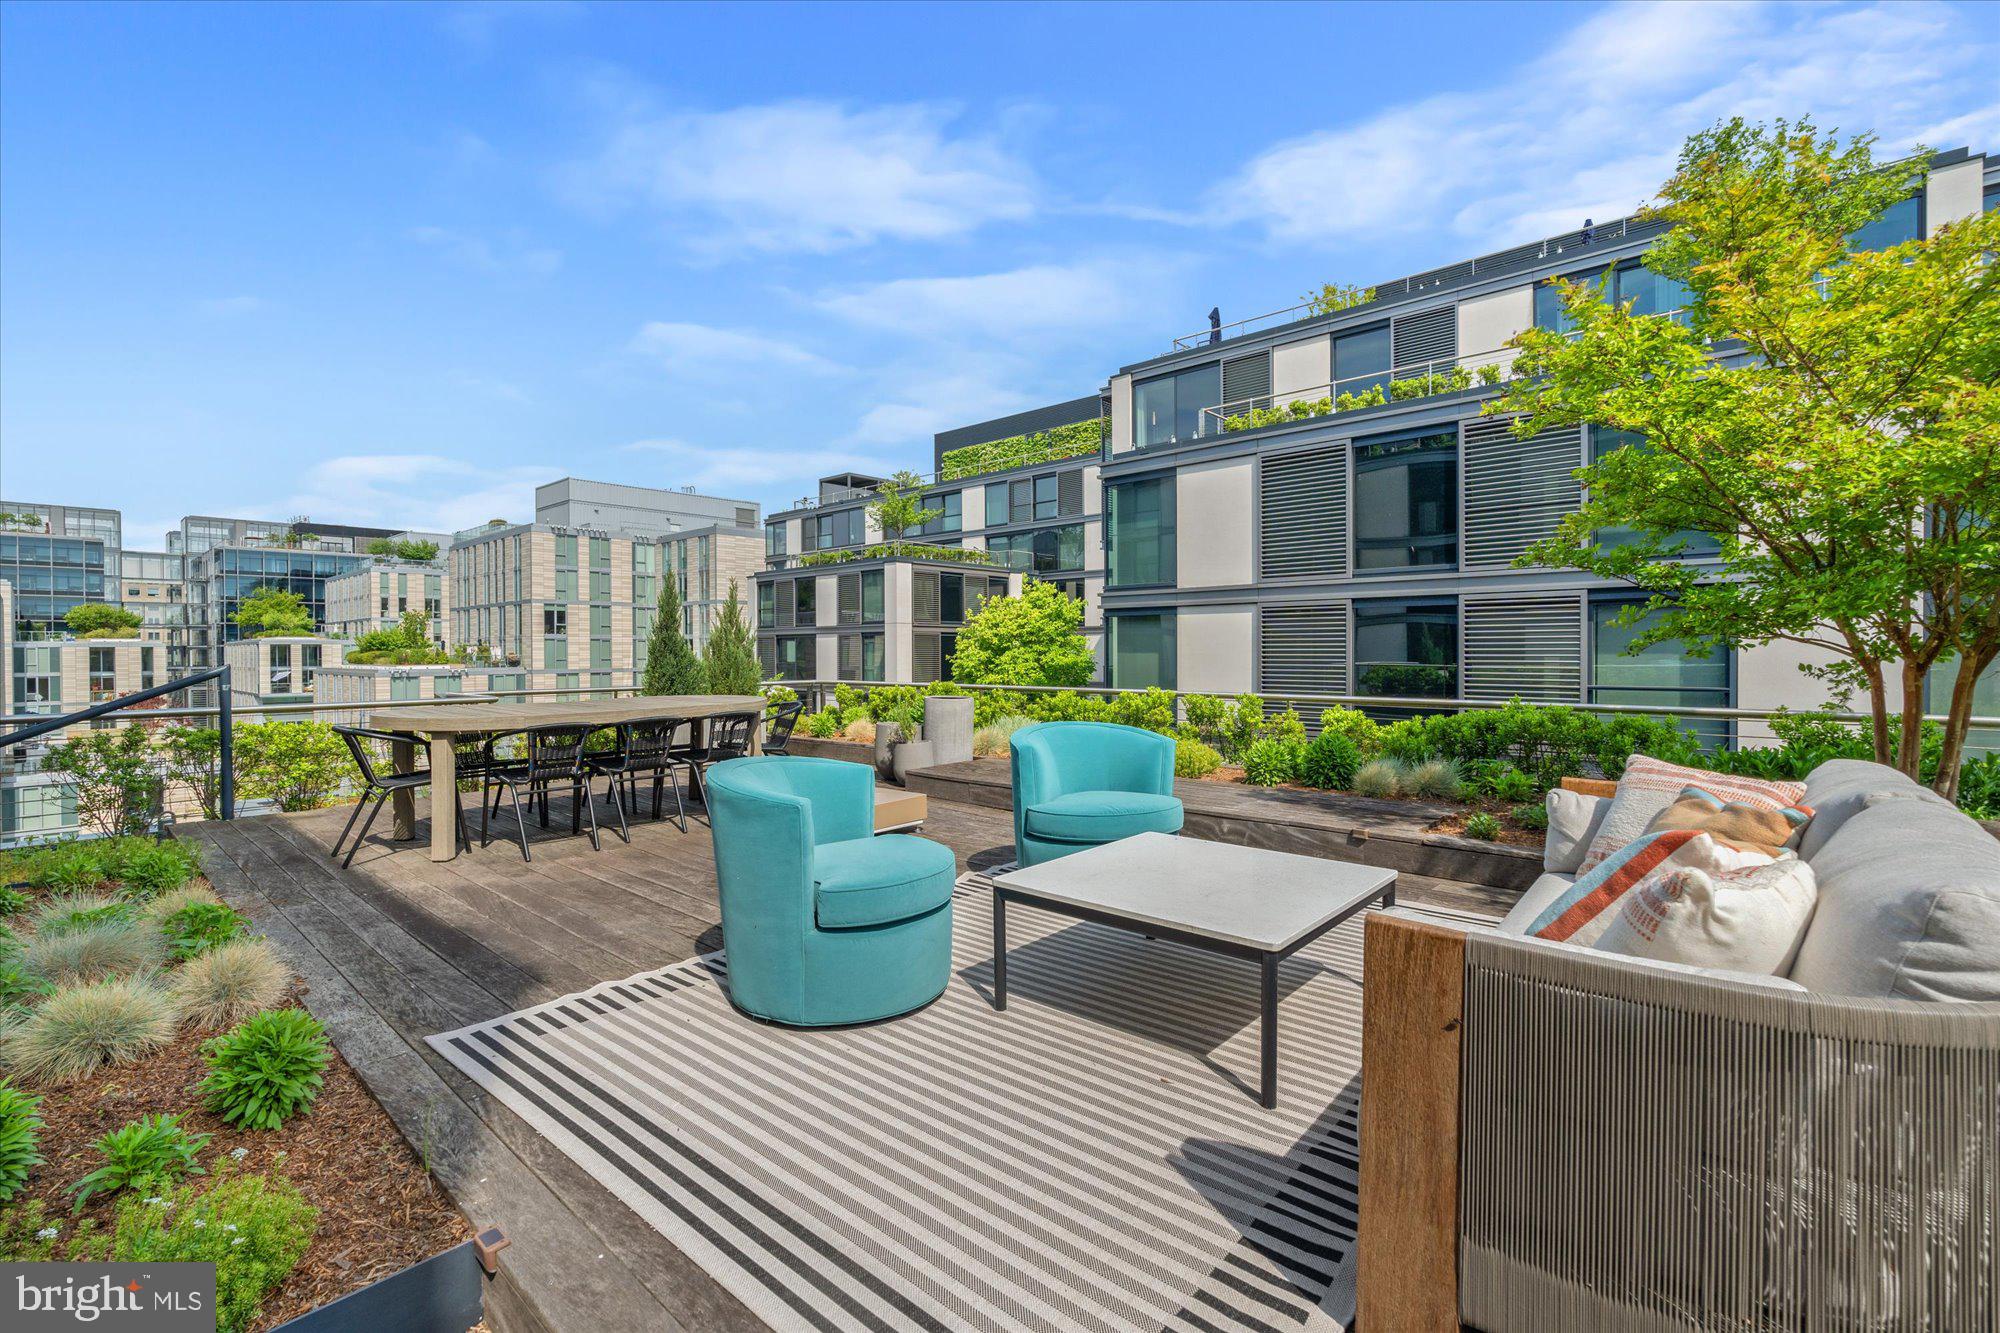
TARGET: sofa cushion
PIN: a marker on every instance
(1650, 785)
(1573, 821)
(1753, 980)
(873, 881)
(1103, 816)
(1539, 895)
(1909, 905)
(1748, 920)
(1839, 788)
(1582, 912)
(1747, 828)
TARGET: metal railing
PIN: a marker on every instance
(1435, 376)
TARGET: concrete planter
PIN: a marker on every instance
(886, 736)
(909, 756)
(948, 728)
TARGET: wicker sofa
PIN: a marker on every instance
(1557, 1138)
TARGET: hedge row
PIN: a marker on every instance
(1043, 446)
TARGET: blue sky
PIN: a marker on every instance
(396, 264)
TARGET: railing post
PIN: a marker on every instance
(226, 755)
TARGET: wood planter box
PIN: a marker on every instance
(443, 1294)
(815, 747)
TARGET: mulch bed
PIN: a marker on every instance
(379, 1209)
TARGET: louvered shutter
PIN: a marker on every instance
(849, 667)
(850, 599)
(767, 655)
(1428, 335)
(1302, 510)
(1245, 377)
(1526, 644)
(1069, 493)
(1516, 491)
(924, 600)
(1301, 650)
(788, 603)
(924, 658)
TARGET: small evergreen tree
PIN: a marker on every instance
(731, 657)
(671, 664)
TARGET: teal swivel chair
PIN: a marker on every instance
(824, 922)
(1082, 784)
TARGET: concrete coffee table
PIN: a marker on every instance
(1240, 901)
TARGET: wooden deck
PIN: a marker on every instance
(398, 947)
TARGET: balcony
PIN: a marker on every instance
(1354, 393)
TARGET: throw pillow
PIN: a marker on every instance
(1736, 824)
(1650, 786)
(1573, 822)
(1581, 912)
(1747, 920)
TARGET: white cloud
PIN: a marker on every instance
(702, 349)
(427, 492)
(1042, 298)
(1592, 127)
(806, 175)
(509, 254)
(226, 306)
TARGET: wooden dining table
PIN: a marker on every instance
(442, 725)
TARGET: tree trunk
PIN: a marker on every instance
(1878, 705)
(1910, 741)
(1952, 758)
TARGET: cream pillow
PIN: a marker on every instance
(1573, 821)
(1742, 920)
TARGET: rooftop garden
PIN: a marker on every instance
(1426, 385)
(400, 549)
(899, 551)
(1079, 439)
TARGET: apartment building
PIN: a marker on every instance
(280, 669)
(579, 601)
(871, 618)
(106, 527)
(1042, 517)
(226, 559)
(378, 595)
(1371, 549)
(150, 584)
(639, 511)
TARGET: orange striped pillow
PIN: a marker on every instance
(1650, 785)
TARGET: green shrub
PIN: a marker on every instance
(824, 724)
(1439, 779)
(153, 1150)
(12, 901)
(1329, 761)
(1194, 759)
(96, 951)
(198, 927)
(229, 983)
(1482, 826)
(67, 867)
(1151, 709)
(18, 986)
(1531, 814)
(1407, 739)
(1364, 731)
(145, 868)
(1979, 787)
(20, 1132)
(1380, 778)
(1075, 440)
(253, 1228)
(1271, 761)
(266, 1069)
(82, 1028)
(1500, 780)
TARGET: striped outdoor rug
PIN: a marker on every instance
(1094, 1158)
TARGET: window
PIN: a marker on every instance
(829, 531)
(1142, 649)
(1663, 674)
(1406, 648)
(566, 585)
(445, 686)
(146, 677)
(281, 668)
(600, 585)
(104, 674)
(808, 601)
(1361, 360)
(774, 539)
(1042, 552)
(1604, 441)
(1170, 407)
(555, 654)
(950, 517)
(600, 554)
(404, 688)
(1406, 502)
(600, 622)
(308, 665)
(555, 619)
(795, 657)
(45, 808)
(1650, 294)
(860, 657)
(951, 598)
(566, 549)
(767, 605)
(1899, 222)
(1140, 517)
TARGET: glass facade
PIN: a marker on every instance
(1361, 360)
(1043, 552)
(50, 575)
(1649, 293)
(1899, 222)
(1603, 441)
(1406, 502)
(1139, 518)
(950, 507)
(827, 532)
(1662, 674)
(1142, 649)
(37, 679)
(1169, 407)
(1406, 648)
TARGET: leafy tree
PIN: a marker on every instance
(100, 620)
(115, 781)
(900, 508)
(300, 765)
(1847, 463)
(192, 757)
(409, 644)
(422, 552)
(269, 611)
(1333, 298)
(730, 660)
(1032, 639)
(672, 666)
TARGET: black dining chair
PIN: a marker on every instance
(778, 735)
(554, 759)
(379, 786)
(653, 748)
(728, 738)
